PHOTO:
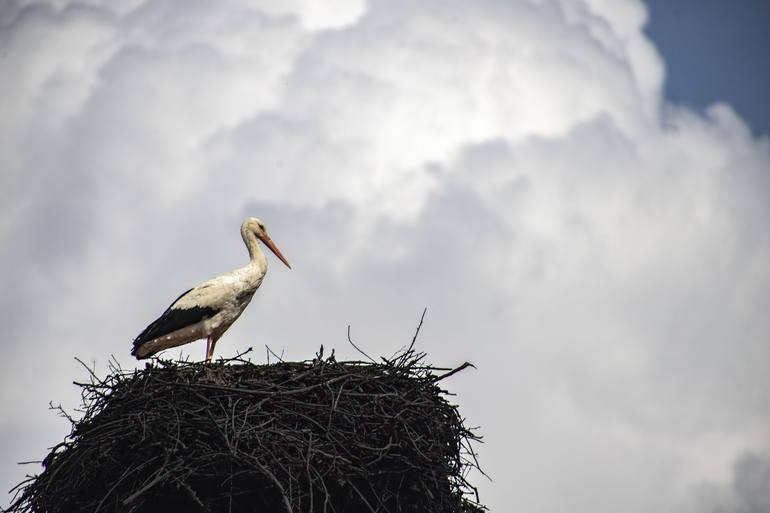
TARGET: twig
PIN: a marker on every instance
(408, 351)
(358, 348)
(453, 371)
(417, 331)
(273, 353)
(91, 371)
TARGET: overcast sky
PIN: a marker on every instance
(600, 252)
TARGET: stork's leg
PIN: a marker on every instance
(212, 341)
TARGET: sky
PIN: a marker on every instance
(591, 237)
(711, 50)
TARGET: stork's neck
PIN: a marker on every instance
(256, 256)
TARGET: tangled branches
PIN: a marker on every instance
(292, 437)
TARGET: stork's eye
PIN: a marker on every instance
(262, 227)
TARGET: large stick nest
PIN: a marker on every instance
(231, 436)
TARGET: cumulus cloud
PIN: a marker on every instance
(601, 255)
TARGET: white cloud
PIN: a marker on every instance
(599, 254)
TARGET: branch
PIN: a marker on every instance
(453, 371)
(358, 348)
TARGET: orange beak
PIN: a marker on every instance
(270, 244)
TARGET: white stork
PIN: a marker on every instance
(207, 310)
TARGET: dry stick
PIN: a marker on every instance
(307, 469)
(418, 330)
(90, 371)
(264, 392)
(192, 494)
(135, 494)
(114, 365)
(408, 351)
(273, 353)
(62, 412)
(361, 496)
(276, 482)
(358, 348)
(453, 371)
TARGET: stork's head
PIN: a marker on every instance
(255, 227)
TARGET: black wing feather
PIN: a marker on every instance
(172, 320)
